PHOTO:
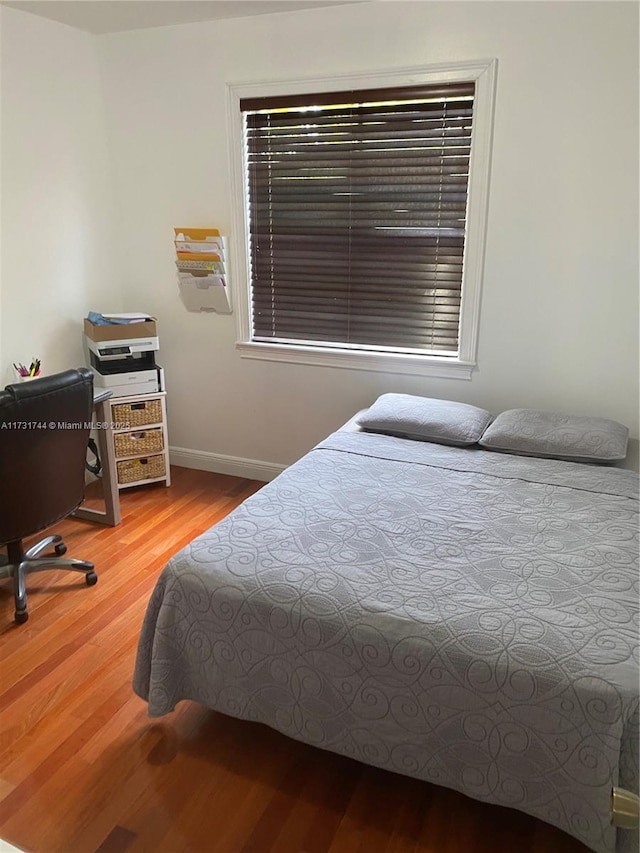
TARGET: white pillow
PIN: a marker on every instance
(553, 435)
(426, 419)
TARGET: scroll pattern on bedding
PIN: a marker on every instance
(475, 629)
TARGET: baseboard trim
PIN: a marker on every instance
(218, 463)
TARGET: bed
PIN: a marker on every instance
(451, 613)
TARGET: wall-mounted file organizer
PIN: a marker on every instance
(202, 269)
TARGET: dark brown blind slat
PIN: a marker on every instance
(357, 213)
(401, 93)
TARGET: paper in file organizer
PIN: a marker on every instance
(198, 241)
(204, 293)
(203, 267)
(201, 235)
(208, 255)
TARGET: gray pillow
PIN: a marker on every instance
(553, 435)
(440, 421)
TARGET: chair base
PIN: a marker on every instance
(22, 563)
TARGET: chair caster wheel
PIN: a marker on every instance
(91, 579)
(60, 549)
(21, 616)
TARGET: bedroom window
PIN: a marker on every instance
(357, 217)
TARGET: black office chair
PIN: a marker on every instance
(44, 430)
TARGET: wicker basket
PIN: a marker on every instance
(145, 412)
(138, 470)
(138, 443)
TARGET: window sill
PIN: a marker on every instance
(416, 365)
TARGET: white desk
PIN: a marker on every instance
(111, 512)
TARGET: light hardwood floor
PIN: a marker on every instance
(83, 769)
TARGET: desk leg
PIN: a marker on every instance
(111, 513)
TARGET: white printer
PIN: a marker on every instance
(122, 357)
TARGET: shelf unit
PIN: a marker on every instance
(140, 441)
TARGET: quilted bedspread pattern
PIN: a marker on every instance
(464, 617)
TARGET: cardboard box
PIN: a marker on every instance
(120, 332)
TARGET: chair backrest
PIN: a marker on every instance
(44, 430)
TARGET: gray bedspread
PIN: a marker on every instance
(464, 617)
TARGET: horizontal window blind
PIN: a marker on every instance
(357, 208)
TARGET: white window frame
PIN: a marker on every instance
(483, 73)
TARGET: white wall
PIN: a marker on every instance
(58, 255)
(559, 320)
(560, 304)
